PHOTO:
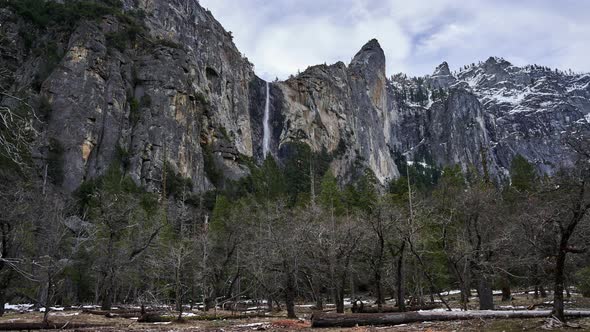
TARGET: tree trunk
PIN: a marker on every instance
(536, 280)
(319, 303)
(2, 301)
(106, 302)
(558, 307)
(178, 291)
(378, 288)
(401, 301)
(340, 301)
(290, 295)
(48, 298)
(485, 293)
(379, 271)
(340, 294)
(351, 320)
(464, 297)
(107, 292)
(5, 273)
(209, 303)
(107, 298)
(506, 293)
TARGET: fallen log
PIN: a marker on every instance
(351, 320)
(135, 314)
(109, 312)
(390, 309)
(125, 313)
(25, 326)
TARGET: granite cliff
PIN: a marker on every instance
(160, 85)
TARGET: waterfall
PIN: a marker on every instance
(266, 125)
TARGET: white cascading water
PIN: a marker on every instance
(266, 125)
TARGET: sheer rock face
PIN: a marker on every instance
(190, 97)
(141, 104)
(328, 106)
(154, 104)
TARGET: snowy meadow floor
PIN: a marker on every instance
(194, 321)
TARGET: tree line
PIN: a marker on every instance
(268, 238)
(290, 232)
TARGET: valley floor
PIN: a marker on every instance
(195, 321)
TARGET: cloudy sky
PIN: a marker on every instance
(283, 36)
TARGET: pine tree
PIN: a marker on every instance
(367, 191)
(330, 195)
(523, 174)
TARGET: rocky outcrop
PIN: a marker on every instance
(180, 96)
(330, 107)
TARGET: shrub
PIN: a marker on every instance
(176, 184)
(43, 13)
(117, 40)
(201, 98)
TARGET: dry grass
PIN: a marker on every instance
(205, 322)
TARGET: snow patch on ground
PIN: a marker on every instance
(18, 307)
(261, 324)
(256, 308)
(451, 292)
(63, 314)
(53, 309)
(90, 306)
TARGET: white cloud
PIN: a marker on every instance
(284, 49)
(283, 36)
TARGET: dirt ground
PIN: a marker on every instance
(277, 323)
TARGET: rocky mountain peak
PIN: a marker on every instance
(371, 55)
(442, 70)
(495, 63)
(442, 76)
